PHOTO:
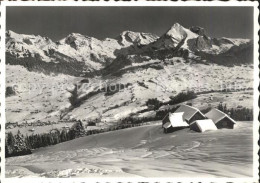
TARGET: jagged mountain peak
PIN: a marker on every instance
(176, 25)
(128, 32)
(137, 33)
(79, 36)
(235, 41)
(198, 30)
(18, 37)
(178, 32)
(10, 33)
(78, 41)
(173, 36)
(23, 45)
(127, 38)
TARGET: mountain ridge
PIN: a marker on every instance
(95, 54)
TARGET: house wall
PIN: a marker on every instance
(165, 120)
(225, 123)
(171, 129)
(197, 116)
(195, 127)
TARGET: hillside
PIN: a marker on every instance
(49, 97)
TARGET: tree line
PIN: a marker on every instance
(17, 145)
(238, 114)
(179, 98)
(35, 64)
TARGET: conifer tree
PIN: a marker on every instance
(77, 130)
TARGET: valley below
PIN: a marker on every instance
(41, 100)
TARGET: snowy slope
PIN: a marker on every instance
(145, 83)
(143, 151)
(222, 45)
(23, 45)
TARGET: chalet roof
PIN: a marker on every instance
(167, 125)
(93, 128)
(189, 111)
(204, 125)
(217, 115)
(175, 120)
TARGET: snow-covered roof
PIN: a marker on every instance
(93, 128)
(176, 120)
(204, 125)
(167, 125)
(189, 111)
(217, 115)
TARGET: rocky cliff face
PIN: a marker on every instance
(242, 54)
(128, 38)
(198, 30)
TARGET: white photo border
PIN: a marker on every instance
(255, 5)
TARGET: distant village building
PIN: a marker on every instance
(173, 121)
(32, 130)
(55, 130)
(93, 128)
(190, 113)
(203, 125)
(220, 119)
(66, 128)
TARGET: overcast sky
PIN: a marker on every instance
(102, 22)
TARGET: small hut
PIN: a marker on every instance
(173, 122)
(190, 113)
(220, 119)
(203, 125)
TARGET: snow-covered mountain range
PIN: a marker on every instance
(94, 54)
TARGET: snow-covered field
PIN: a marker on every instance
(144, 151)
(230, 99)
(39, 96)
